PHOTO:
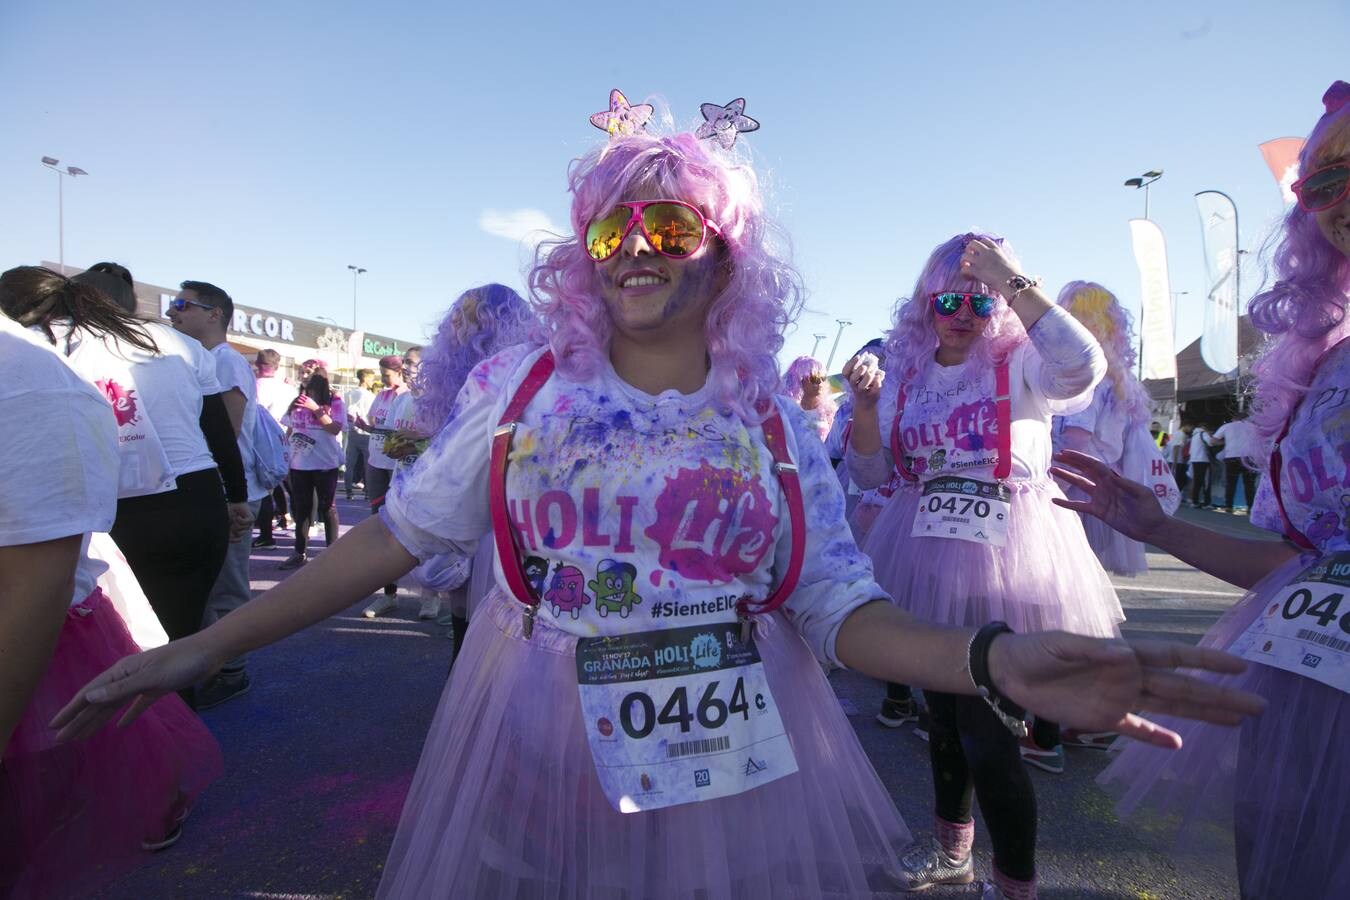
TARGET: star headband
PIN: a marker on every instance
(721, 123)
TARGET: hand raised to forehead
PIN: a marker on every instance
(985, 261)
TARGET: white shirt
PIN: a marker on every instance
(1200, 445)
(275, 395)
(157, 400)
(383, 411)
(234, 372)
(357, 401)
(60, 448)
(1240, 440)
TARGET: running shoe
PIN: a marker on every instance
(431, 607)
(225, 686)
(895, 713)
(263, 543)
(383, 603)
(181, 809)
(294, 561)
(1092, 740)
(1051, 761)
(921, 730)
(926, 865)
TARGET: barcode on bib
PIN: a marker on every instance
(703, 745)
(1326, 640)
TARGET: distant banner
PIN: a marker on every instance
(1281, 155)
(1219, 230)
(1155, 320)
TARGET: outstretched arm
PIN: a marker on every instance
(1083, 682)
(1131, 509)
(364, 559)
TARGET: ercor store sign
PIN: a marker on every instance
(249, 322)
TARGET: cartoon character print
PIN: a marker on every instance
(536, 570)
(567, 593)
(613, 588)
(936, 460)
(1324, 527)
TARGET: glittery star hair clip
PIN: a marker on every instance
(622, 118)
(725, 123)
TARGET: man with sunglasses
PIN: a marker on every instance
(203, 311)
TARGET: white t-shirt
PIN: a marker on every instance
(60, 449)
(313, 449)
(275, 395)
(635, 512)
(1200, 445)
(357, 401)
(233, 371)
(157, 400)
(382, 414)
(1240, 440)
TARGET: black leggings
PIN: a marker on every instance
(306, 486)
(974, 754)
(175, 544)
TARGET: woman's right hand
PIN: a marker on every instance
(864, 375)
(1127, 506)
(142, 678)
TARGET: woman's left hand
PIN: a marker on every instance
(1100, 685)
(985, 261)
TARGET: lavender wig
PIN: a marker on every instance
(800, 368)
(492, 317)
(914, 339)
(1303, 312)
(1100, 313)
(745, 322)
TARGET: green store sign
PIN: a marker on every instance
(373, 347)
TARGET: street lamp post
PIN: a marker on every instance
(816, 346)
(1143, 181)
(72, 171)
(843, 323)
(356, 270)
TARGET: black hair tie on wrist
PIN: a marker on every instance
(1009, 713)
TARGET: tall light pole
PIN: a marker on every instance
(72, 171)
(356, 270)
(816, 346)
(843, 323)
(1143, 181)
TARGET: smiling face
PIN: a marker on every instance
(649, 294)
(1334, 221)
(193, 320)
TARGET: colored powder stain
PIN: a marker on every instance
(656, 577)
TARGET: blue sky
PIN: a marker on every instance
(267, 146)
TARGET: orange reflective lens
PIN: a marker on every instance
(671, 228)
(606, 233)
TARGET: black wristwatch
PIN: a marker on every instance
(1008, 712)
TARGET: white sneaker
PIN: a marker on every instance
(926, 865)
(382, 604)
(431, 607)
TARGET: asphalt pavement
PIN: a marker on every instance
(320, 752)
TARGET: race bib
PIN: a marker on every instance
(1306, 628)
(964, 509)
(679, 716)
(378, 437)
(301, 442)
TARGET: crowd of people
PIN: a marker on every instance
(653, 548)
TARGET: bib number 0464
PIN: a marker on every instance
(638, 714)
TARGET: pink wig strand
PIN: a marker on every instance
(503, 319)
(1303, 312)
(745, 322)
(913, 339)
(1100, 312)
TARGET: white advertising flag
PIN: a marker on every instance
(1219, 229)
(1155, 317)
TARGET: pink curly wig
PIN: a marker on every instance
(913, 338)
(498, 318)
(1100, 313)
(1303, 312)
(745, 322)
(800, 368)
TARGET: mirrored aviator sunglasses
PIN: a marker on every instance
(671, 227)
(1324, 188)
(948, 303)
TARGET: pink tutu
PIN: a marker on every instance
(1046, 577)
(73, 816)
(1292, 815)
(484, 577)
(506, 801)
